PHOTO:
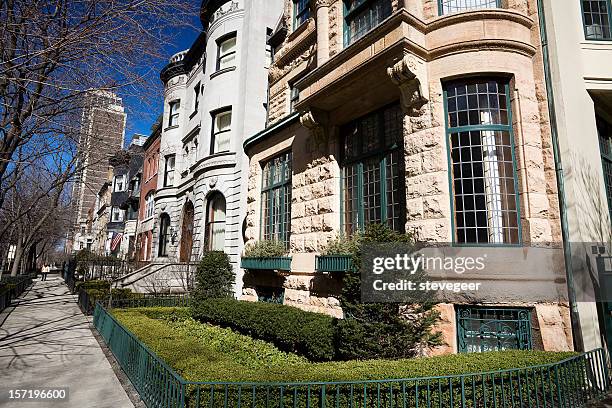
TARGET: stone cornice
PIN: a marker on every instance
(298, 45)
(478, 15)
(403, 16)
(482, 45)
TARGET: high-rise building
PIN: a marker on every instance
(102, 134)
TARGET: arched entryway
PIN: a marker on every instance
(187, 233)
(215, 222)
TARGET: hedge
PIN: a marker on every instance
(289, 328)
(201, 352)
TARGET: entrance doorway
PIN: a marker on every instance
(187, 233)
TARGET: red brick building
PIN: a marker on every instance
(146, 213)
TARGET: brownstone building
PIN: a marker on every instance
(431, 117)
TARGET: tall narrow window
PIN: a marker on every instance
(169, 173)
(373, 184)
(604, 130)
(174, 113)
(149, 205)
(196, 97)
(116, 214)
(222, 126)
(120, 184)
(456, 6)
(596, 15)
(294, 97)
(361, 16)
(301, 12)
(269, 50)
(164, 235)
(482, 155)
(276, 199)
(215, 223)
(226, 52)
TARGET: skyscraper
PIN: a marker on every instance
(102, 134)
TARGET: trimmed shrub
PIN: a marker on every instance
(93, 284)
(265, 249)
(290, 329)
(214, 277)
(201, 352)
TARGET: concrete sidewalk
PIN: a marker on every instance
(47, 342)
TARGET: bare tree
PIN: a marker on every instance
(53, 56)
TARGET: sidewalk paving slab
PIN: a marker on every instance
(46, 342)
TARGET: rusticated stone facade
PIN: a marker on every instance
(406, 59)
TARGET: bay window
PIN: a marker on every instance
(372, 172)
(456, 6)
(301, 12)
(226, 51)
(484, 182)
(276, 199)
(174, 113)
(222, 126)
(596, 15)
(361, 16)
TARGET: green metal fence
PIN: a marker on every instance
(569, 383)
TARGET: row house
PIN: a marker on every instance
(578, 51)
(215, 96)
(148, 186)
(430, 116)
(123, 211)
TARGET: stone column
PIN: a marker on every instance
(322, 12)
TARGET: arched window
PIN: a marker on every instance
(215, 223)
(164, 235)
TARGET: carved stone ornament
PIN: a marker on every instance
(212, 182)
(321, 3)
(407, 74)
(316, 121)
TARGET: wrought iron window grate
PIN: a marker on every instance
(482, 329)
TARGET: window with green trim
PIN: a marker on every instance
(596, 16)
(361, 16)
(456, 6)
(276, 199)
(604, 130)
(373, 184)
(483, 171)
(301, 12)
(481, 329)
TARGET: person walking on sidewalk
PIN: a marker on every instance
(44, 272)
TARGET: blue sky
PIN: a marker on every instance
(142, 114)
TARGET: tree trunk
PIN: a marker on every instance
(17, 260)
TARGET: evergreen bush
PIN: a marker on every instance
(381, 330)
(289, 328)
(215, 276)
(265, 249)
